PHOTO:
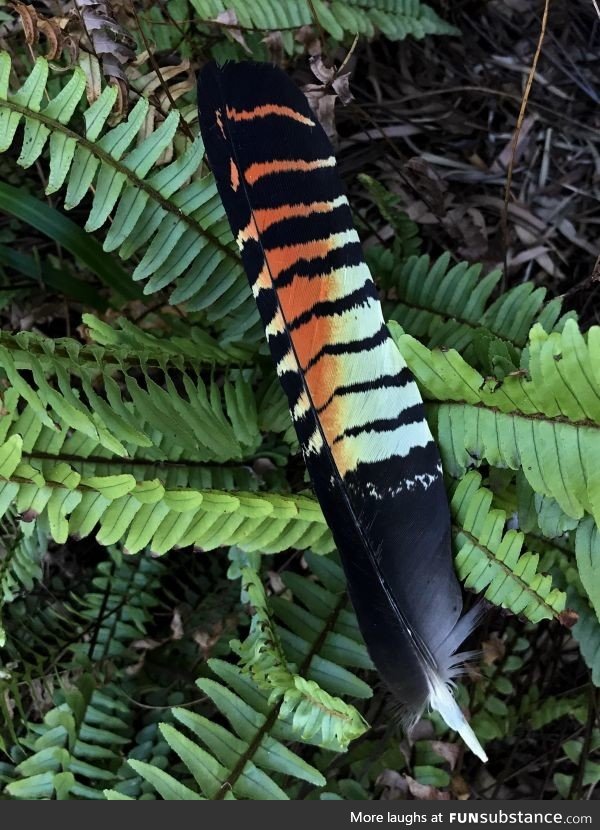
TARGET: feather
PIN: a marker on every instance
(357, 411)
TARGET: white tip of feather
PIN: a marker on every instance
(442, 700)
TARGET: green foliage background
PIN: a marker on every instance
(173, 620)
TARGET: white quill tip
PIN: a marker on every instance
(442, 700)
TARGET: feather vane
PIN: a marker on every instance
(357, 411)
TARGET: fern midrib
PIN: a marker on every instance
(516, 413)
(443, 318)
(96, 356)
(10, 553)
(270, 719)
(102, 611)
(489, 554)
(133, 462)
(140, 184)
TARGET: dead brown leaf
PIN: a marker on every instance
(493, 649)
(568, 618)
(274, 43)
(321, 97)
(449, 752)
(323, 106)
(425, 792)
(395, 785)
(308, 36)
(177, 625)
(54, 37)
(207, 639)
(230, 21)
(29, 20)
(276, 583)
(34, 23)
(460, 789)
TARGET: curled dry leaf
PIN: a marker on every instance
(395, 785)
(460, 789)
(329, 76)
(177, 625)
(54, 38)
(568, 618)
(93, 76)
(112, 44)
(206, 640)
(449, 752)
(275, 47)
(276, 583)
(29, 18)
(493, 649)
(163, 89)
(308, 37)
(322, 104)
(34, 25)
(425, 792)
(228, 19)
(321, 97)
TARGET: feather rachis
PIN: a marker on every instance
(357, 411)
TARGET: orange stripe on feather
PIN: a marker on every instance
(219, 121)
(268, 109)
(280, 259)
(234, 175)
(249, 232)
(264, 218)
(259, 169)
(300, 296)
(271, 216)
(310, 339)
(323, 378)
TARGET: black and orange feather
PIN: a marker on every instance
(357, 411)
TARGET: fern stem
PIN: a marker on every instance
(102, 612)
(270, 719)
(529, 416)
(117, 461)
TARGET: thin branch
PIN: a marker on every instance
(517, 133)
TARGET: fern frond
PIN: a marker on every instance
(171, 212)
(541, 514)
(21, 564)
(545, 419)
(396, 19)
(490, 559)
(450, 307)
(145, 513)
(193, 345)
(76, 751)
(406, 239)
(117, 609)
(541, 712)
(318, 716)
(574, 749)
(144, 411)
(587, 552)
(266, 701)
